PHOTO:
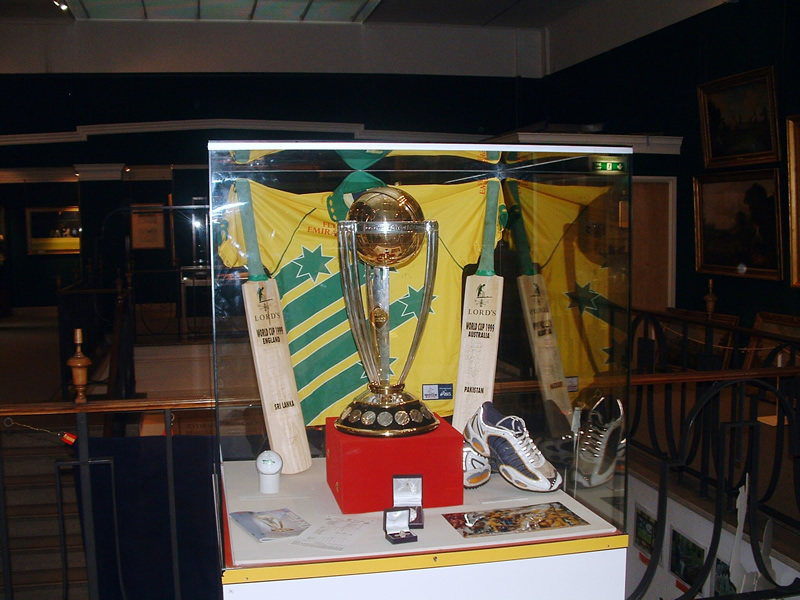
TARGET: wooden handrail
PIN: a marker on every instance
(132, 405)
(640, 379)
(706, 376)
(501, 387)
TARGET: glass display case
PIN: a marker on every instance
(483, 273)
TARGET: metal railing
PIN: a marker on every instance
(701, 426)
(710, 430)
(84, 464)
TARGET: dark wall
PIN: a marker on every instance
(65, 103)
(34, 279)
(648, 86)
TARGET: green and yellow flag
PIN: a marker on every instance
(297, 239)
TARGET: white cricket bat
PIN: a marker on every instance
(276, 384)
(541, 335)
(480, 324)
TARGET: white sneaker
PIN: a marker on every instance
(506, 441)
(477, 468)
(600, 443)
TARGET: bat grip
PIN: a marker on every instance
(486, 262)
(255, 268)
(521, 240)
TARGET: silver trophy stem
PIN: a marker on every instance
(378, 307)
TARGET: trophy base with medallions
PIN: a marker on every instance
(386, 412)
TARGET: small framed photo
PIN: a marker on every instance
(686, 557)
(645, 534)
(53, 230)
(738, 118)
(737, 224)
(723, 586)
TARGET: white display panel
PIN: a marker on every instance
(596, 575)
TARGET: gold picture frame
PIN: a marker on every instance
(53, 230)
(698, 323)
(738, 224)
(792, 141)
(738, 116)
(760, 347)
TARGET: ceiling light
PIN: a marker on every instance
(61, 5)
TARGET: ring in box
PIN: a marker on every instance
(396, 525)
(407, 492)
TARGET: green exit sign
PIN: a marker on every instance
(608, 165)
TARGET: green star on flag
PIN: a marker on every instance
(312, 263)
(412, 301)
(583, 298)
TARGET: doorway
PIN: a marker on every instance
(653, 247)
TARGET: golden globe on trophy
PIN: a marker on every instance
(384, 229)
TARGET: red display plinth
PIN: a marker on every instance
(360, 469)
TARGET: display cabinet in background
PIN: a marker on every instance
(483, 274)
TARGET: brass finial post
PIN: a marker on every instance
(79, 363)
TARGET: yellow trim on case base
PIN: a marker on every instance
(421, 561)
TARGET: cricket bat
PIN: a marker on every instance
(480, 324)
(541, 335)
(276, 384)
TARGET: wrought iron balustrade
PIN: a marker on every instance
(713, 405)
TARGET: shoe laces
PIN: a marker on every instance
(523, 440)
(593, 436)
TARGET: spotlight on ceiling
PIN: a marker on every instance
(61, 5)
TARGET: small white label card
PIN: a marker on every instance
(336, 534)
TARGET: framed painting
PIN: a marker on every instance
(792, 141)
(761, 351)
(53, 230)
(738, 119)
(699, 354)
(737, 224)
